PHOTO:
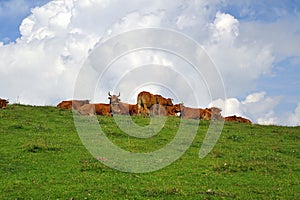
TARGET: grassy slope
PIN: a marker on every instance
(41, 156)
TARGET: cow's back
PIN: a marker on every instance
(65, 105)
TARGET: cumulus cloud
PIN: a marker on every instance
(294, 118)
(240, 62)
(42, 65)
(257, 106)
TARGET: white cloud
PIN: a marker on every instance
(294, 118)
(268, 119)
(257, 106)
(283, 35)
(231, 106)
(253, 98)
(240, 62)
(225, 28)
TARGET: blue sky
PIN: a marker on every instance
(267, 30)
(12, 12)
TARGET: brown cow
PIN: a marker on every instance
(118, 107)
(3, 103)
(133, 109)
(95, 109)
(163, 101)
(145, 100)
(75, 104)
(195, 113)
(214, 113)
(174, 109)
(237, 119)
(162, 104)
(157, 103)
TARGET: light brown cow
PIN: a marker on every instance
(75, 104)
(3, 103)
(235, 118)
(118, 107)
(95, 109)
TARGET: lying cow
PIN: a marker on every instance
(171, 110)
(214, 113)
(235, 118)
(95, 109)
(72, 104)
(195, 113)
(3, 103)
(118, 107)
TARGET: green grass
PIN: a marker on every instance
(42, 157)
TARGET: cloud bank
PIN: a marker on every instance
(42, 65)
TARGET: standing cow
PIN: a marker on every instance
(152, 104)
(145, 100)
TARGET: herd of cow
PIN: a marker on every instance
(147, 105)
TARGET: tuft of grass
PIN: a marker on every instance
(39, 147)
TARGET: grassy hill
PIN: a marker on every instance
(42, 157)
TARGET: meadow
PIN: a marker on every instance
(42, 157)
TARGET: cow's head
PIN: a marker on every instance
(178, 107)
(113, 99)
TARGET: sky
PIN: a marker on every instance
(253, 44)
